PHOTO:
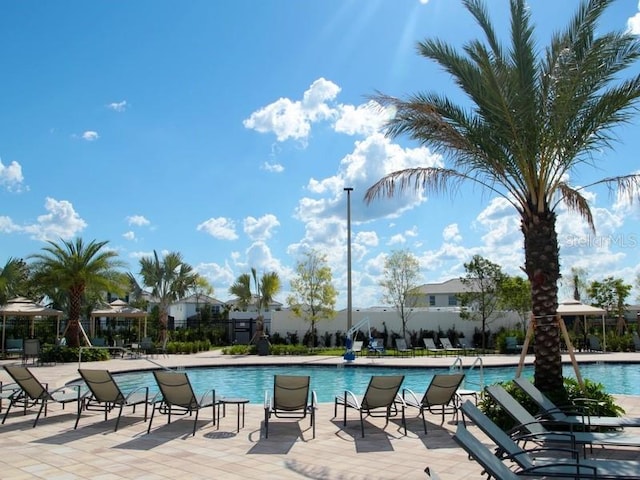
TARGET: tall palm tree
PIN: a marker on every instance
(534, 119)
(170, 278)
(74, 268)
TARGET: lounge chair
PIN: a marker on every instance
(532, 427)
(106, 395)
(14, 346)
(553, 467)
(497, 469)
(31, 350)
(32, 393)
(290, 399)
(553, 412)
(401, 347)
(440, 395)
(448, 346)
(430, 346)
(178, 397)
(381, 399)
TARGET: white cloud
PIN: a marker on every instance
(218, 275)
(272, 167)
(118, 106)
(62, 221)
(396, 239)
(370, 238)
(220, 228)
(260, 228)
(139, 255)
(11, 176)
(451, 233)
(129, 235)
(633, 23)
(90, 136)
(289, 119)
(7, 225)
(138, 220)
(363, 119)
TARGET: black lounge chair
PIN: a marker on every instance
(440, 396)
(290, 399)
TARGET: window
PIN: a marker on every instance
(432, 300)
(453, 300)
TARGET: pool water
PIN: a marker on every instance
(328, 381)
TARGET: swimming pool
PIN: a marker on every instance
(328, 381)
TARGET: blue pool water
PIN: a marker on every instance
(327, 381)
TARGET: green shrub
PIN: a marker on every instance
(598, 401)
(60, 354)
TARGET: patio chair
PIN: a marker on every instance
(448, 346)
(290, 399)
(534, 428)
(580, 419)
(106, 395)
(178, 397)
(381, 399)
(594, 344)
(430, 346)
(14, 346)
(357, 347)
(401, 347)
(512, 345)
(497, 469)
(376, 346)
(31, 350)
(32, 393)
(440, 395)
(636, 341)
(551, 466)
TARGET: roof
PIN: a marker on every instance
(574, 307)
(450, 287)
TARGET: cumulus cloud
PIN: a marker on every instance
(7, 225)
(138, 220)
(292, 119)
(272, 167)
(216, 274)
(451, 233)
(90, 136)
(118, 106)
(61, 221)
(11, 176)
(363, 119)
(220, 228)
(260, 228)
(369, 238)
(129, 235)
(633, 23)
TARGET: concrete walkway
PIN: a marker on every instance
(55, 451)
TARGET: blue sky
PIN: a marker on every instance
(228, 130)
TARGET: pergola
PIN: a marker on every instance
(23, 307)
(573, 308)
(120, 309)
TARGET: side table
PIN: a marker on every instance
(239, 402)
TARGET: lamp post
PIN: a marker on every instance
(349, 307)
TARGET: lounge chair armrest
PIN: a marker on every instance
(206, 395)
(579, 468)
(528, 451)
(156, 398)
(400, 400)
(350, 398)
(410, 398)
(65, 388)
(267, 401)
(9, 387)
(138, 389)
(314, 399)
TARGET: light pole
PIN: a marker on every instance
(349, 307)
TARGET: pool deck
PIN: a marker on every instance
(55, 451)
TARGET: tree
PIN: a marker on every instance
(578, 282)
(201, 287)
(313, 295)
(74, 268)
(533, 118)
(515, 294)
(611, 294)
(170, 279)
(264, 293)
(14, 277)
(481, 299)
(401, 274)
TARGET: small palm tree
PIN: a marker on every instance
(534, 120)
(170, 279)
(73, 268)
(13, 279)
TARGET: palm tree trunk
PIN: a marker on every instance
(543, 269)
(75, 307)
